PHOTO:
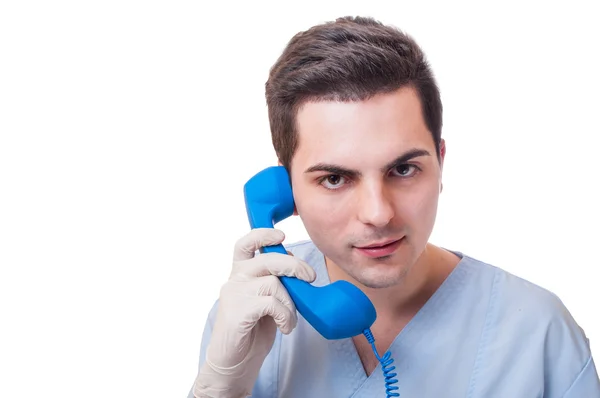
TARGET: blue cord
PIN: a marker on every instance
(386, 361)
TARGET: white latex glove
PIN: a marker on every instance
(252, 305)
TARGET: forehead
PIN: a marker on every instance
(367, 132)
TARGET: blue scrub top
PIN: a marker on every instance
(485, 333)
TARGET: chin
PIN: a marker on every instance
(380, 276)
(379, 283)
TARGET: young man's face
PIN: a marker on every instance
(366, 173)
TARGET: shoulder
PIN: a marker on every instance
(530, 321)
(514, 297)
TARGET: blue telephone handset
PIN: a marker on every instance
(337, 311)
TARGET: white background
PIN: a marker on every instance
(127, 129)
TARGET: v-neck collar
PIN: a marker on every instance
(411, 335)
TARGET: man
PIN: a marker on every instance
(356, 119)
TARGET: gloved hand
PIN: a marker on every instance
(252, 305)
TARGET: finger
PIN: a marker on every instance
(247, 245)
(275, 264)
(271, 286)
(285, 319)
(249, 298)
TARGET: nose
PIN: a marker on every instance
(375, 205)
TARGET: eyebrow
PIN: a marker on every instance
(340, 170)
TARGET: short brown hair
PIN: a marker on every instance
(349, 59)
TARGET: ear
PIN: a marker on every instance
(442, 158)
(295, 210)
(442, 150)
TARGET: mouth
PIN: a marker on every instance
(380, 249)
(378, 244)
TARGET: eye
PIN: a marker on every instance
(405, 170)
(333, 181)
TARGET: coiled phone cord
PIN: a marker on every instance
(385, 361)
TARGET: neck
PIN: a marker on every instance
(403, 300)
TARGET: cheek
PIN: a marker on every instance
(322, 213)
(421, 206)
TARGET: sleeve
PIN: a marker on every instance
(586, 384)
(570, 369)
(208, 327)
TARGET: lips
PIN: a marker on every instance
(378, 245)
(380, 249)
